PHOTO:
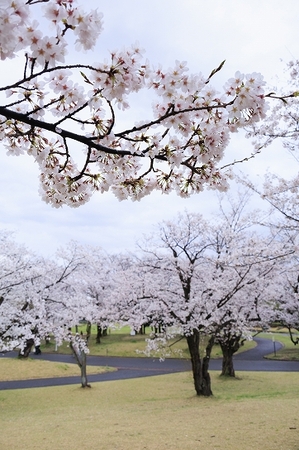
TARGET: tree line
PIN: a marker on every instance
(206, 279)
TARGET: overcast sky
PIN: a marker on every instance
(253, 36)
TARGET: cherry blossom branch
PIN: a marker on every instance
(188, 132)
(9, 114)
(49, 70)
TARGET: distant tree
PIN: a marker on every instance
(285, 303)
(97, 284)
(39, 298)
(237, 228)
(19, 302)
(76, 291)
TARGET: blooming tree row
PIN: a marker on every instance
(44, 298)
(205, 281)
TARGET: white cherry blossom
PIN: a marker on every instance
(178, 147)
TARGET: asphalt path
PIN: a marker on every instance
(250, 360)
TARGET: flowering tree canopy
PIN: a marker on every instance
(40, 297)
(285, 304)
(69, 116)
(18, 297)
(198, 278)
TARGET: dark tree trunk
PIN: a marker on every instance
(105, 330)
(88, 331)
(80, 356)
(158, 329)
(141, 329)
(27, 349)
(294, 339)
(227, 362)
(201, 377)
(229, 346)
(99, 334)
(205, 365)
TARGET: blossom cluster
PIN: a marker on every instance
(179, 148)
(282, 118)
(18, 31)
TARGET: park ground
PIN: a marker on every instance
(119, 342)
(256, 410)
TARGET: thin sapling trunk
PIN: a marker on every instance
(78, 349)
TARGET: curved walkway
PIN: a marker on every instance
(250, 360)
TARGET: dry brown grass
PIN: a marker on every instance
(25, 369)
(258, 412)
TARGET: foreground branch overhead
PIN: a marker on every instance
(179, 148)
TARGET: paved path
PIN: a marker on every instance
(251, 360)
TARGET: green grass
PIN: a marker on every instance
(119, 342)
(289, 352)
(259, 411)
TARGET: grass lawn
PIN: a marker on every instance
(259, 411)
(256, 411)
(25, 369)
(119, 342)
(289, 352)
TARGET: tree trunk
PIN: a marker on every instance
(27, 349)
(80, 356)
(227, 362)
(99, 334)
(88, 331)
(84, 382)
(205, 366)
(201, 377)
(141, 329)
(229, 346)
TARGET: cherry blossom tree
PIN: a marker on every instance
(205, 281)
(238, 227)
(68, 116)
(18, 300)
(65, 303)
(97, 286)
(281, 193)
(41, 298)
(249, 310)
(285, 304)
(78, 289)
